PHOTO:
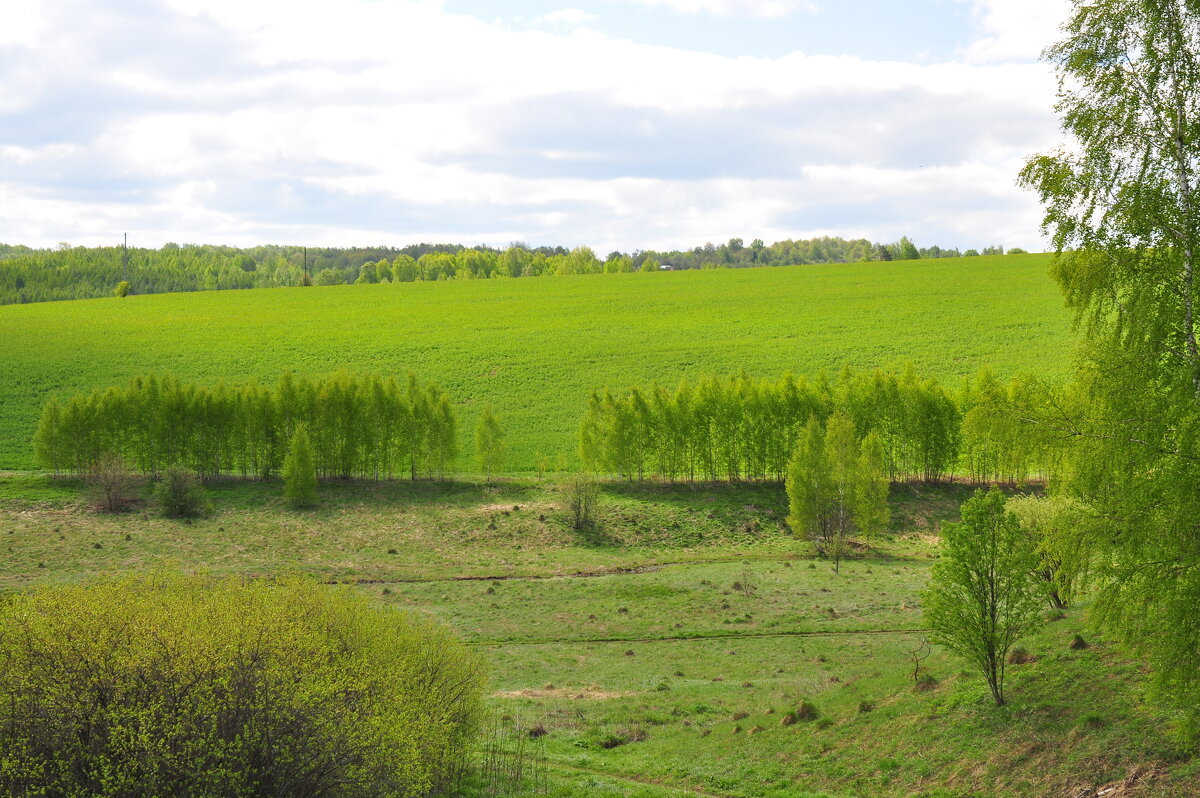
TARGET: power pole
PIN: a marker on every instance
(125, 259)
(305, 266)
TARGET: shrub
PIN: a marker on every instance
(581, 494)
(181, 494)
(122, 289)
(172, 685)
(113, 486)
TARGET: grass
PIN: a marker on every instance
(650, 672)
(535, 349)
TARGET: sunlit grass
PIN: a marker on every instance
(535, 349)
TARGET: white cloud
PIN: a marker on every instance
(567, 17)
(770, 9)
(1016, 29)
(232, 121)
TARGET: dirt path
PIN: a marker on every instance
(581, 574)
(692, 638)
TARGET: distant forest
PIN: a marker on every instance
(42, 275)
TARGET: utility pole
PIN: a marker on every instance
(125, 259)
(306, 281)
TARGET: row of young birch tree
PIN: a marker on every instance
(745, 428)
(365, 426)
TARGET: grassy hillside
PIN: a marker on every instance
(661, 650)
(536, 348)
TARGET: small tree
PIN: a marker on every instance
(299, 471)
(489, 443)
(581, 493)
(122, 289)
(822, 485)
(181, 495)
(983, 594)
(808, 486)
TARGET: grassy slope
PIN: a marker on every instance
(536, 348)
(661, 644)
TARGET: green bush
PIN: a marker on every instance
(181, 495)
(171, 685)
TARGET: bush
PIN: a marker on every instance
(181, 494)
(114, 487)
(581, 494)
(172, 685)
(122, 289)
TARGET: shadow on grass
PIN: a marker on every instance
(337, 494)
(594, 536)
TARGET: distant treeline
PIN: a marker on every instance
(740, 427)
(40, 275)
(360, 426)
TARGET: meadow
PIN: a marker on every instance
(535, 349)
(686, 644)
(663, 652)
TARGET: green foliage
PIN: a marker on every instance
(836, 485)
(1122, 201)
(122, 289)
(808, 484)
(168, 685)
(299, 472)
(998, 442)
(871, 512)
(1059, 528)
(489, 443)
(181, 495)
(362, 426)
(983, 594)
(616, 330)
(740, 427)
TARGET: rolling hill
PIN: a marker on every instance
(535, 349)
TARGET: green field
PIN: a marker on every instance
(662, 649)
(536, 348)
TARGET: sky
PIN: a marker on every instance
(616, 124)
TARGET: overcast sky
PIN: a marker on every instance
(620, 124)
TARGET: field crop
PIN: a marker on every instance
(535, 349)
